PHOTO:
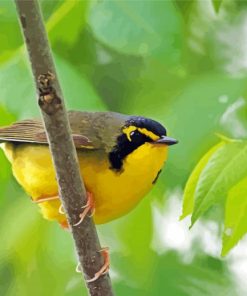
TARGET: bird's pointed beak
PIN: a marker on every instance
(166, 140)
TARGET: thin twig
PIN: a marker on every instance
(71, 188)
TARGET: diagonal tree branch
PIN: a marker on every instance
(71, 188)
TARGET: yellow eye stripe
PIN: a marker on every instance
(149, 134)
(129, 129)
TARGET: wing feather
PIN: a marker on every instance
(32, 131)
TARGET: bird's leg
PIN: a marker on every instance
(89, 206)
(43, 199)
(63, 222)
(103, 270)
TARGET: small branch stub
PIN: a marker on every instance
(48, 100)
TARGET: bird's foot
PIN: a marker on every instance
(89, 206)
(43, 199)
(103, 270)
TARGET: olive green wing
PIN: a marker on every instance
(32, 131)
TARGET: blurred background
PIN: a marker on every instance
(182, 63)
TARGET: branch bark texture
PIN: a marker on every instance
(71, 188)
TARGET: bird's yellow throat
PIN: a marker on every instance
(115, 192)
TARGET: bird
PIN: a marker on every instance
(120, 158)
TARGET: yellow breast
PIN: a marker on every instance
(115, 193)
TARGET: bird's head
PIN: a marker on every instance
(136, 132)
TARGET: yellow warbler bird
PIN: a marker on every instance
(120, 158)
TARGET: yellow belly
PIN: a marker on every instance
(114, 193)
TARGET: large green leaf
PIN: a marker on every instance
(138, 27)
(10, 34)
(226, 167)
(171, 276)
(65, 24)
(235, 216)
(78, 91)
(5, 119)
(202, 278)
(5, 171)
(17, 89)
(20, 99)
(190, 188)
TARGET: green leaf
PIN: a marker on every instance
(20, 99)
(216, 5)
(78, 92)
(137, 27)
(5, 119)
(48, 7)
(190, 187)
(10, 34)
(226, 167)
(66, 23)
(235, 216)
(204, 277)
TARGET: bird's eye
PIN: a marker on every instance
(136, 135)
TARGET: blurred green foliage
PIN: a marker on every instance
(220, 175)
(180, 62)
